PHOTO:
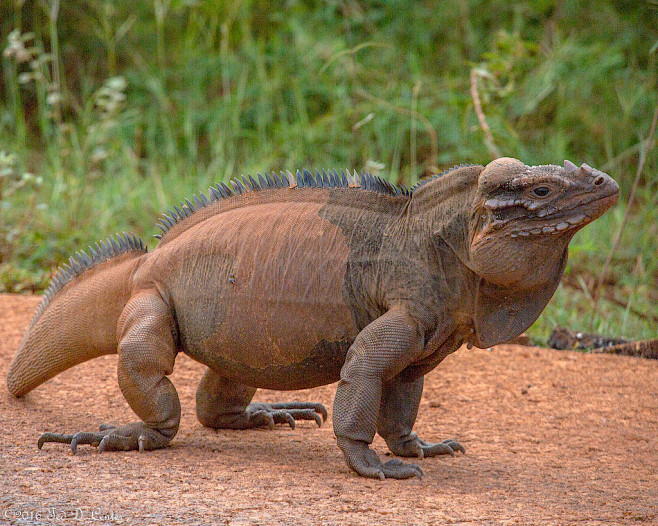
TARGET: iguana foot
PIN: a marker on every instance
(112, 438)
(366, 463)
(414, 446)
(261, 414)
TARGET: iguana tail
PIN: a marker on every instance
(77, 319)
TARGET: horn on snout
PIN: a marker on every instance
(587, 168)
(569, 167)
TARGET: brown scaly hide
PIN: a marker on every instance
(289, 288)
(76, 325)
(257, 289)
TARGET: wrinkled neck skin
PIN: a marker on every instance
(504, 285)
(442, 209)
(433, 237)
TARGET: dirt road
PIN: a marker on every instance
(552, 437)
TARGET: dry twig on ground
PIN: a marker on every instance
(488, 136)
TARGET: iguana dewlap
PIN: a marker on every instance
(294, 282)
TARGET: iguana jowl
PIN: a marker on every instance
(294, 282)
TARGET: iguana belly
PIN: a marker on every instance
(277, 344)
(258, 295)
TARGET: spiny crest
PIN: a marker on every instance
(423, 182)
(81, 261)
(302, 179)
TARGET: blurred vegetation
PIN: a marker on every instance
(111, 111)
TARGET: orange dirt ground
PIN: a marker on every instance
(552, 437)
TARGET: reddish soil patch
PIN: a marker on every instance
(552, 437)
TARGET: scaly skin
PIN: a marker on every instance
(290, 288)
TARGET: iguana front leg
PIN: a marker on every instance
(397, 415)
(146, 356)
(379, 353)
(222, 403)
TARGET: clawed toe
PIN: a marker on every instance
(454, 445)
(305, 414)
(306, 408)
(99, 440)
(396, 469)
(447, 447)
(54, 437)
(366, 463)
(112, 438)
(413, 446)
(112, 442)
(284, 417)
(106, 427)
(267, 418)
(264, 414)
(73, 439)
(93, 439)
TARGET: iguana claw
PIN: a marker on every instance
(414, 446)
(447, 447)
(111, 438)
(264, 414)
(54, 437)
(141, 441)
(454, 445)
(93, 439)
(366, 463)
(317, 408)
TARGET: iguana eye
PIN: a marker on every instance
(541, 191)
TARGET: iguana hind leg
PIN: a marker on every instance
(146, 356)
(397, 415)
(225, 404)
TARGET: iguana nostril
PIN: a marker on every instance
(599, 180)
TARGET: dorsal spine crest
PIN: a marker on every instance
(101, 252)
(266, 181)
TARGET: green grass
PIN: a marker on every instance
(630, 309)
(121, 111)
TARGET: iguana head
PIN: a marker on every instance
(525, 216)
(522, 221)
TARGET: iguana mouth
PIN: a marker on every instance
(604, 201)
(566, 220)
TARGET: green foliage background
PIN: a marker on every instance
(112, 111)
